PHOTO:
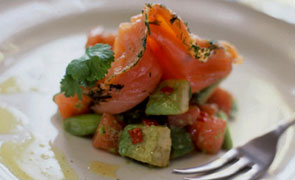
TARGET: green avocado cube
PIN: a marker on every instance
(154, 149)
(181, 142)
(82, 125)
(202, 96)
(170, 98)
(234, 109)
(227, 142)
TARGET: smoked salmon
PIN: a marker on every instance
(98, 35)
(135, 70)
(145, 83)
(182, 55)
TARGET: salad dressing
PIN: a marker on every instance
(104, 169)
(8, 122)
(33, 160)
(68, 172)
(9, 86)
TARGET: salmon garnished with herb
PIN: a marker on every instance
(153, 87)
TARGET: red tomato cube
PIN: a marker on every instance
(107, 134)
(208, 133)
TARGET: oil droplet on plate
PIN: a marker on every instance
(11, 155)
(104, 169)
(9, 86)
(45, 163)
(9, 123)
(44, 156)
(41, 145)
(68, 172)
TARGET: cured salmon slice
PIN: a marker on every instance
(183, 55)
(98, 35)
(134, 74)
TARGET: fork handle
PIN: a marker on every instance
(282, 128)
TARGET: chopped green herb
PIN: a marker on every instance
(140, 54)
(149, 5)
(186, 24)
(196, 49)
(173, 18)
(86, 70)
(146, 22)
(202, 54)
(144, 42)
(102, 130)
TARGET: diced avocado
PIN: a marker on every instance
(181, 142)
(82, 125)
(227, 142)
(234, 109)
(170, 98)
(154, 149)
(222, 115)
(202, 96)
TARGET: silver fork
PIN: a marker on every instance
(246, 162)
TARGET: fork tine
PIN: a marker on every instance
(226, 172)
(250, 174)
(211, 165)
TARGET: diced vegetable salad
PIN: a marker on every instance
(150, 92)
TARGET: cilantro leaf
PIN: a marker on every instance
(70, 87)
(86, 70)
(102, 51)
(78, 69)
(95, 63)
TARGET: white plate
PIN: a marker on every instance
(38, 39)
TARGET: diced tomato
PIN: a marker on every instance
(71, 106)
(211, 109)
(208, 132)
(107, 134)
(136, 135)
(223, 99)
(97, 35)
(185, 119)
(149, 122)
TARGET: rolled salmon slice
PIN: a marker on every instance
(134, 74)
(98, 35)
(183, 55)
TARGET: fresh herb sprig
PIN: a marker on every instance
(87, 70)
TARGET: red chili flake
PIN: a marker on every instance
(136, 135)
(203, 116)
(149, 122)
(167, 89)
